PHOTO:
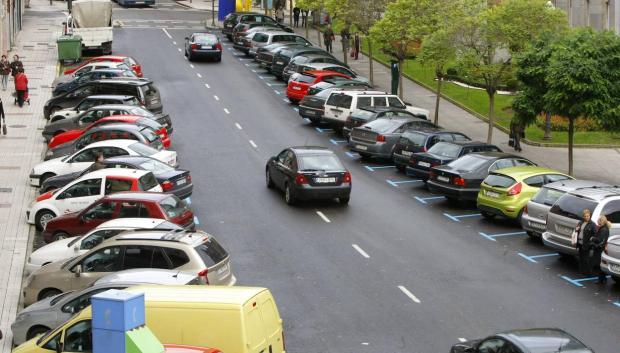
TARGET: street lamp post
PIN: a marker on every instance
(213, 13)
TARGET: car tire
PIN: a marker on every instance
(60, 235)
(41, 219)
(44, 177)
(46, 293)
(288, 195)
(400, 168)
(344, 200)
(34, 331)
(365, 156)
(268, 179)
(616, 279)
(519, 216)
(294, 101)
(219, 58)
(487, 215)
(314, 121)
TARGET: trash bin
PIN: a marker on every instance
(69, 48)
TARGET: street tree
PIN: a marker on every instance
(583, 80)
(491, 34)
(312, 5)
(343, 11)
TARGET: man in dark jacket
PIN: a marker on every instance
(328, 38)
(296, 12)
(16, 64)
(586, 230)
(597, 244)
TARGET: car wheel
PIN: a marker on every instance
(288, 195)
(314, 121)
(294, 101)
(44, 177)
(487, 215)
(566, 257)
(41, 219)
(344, 200)
(365, 156)
(60, 236)
(219, 58)
(35, 331)
(400, 168)
(268, 180)
(616, 279)
(50, 292)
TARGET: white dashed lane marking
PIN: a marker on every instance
(173, 42)
(191, 65)
(462, 339)
(179, 49)
(168, 34)
(226, 111)
(216, 98)
(409, 294)
(323, 217)
(361, 251)
(253, 144)
(238, 126)
(199, 75)
(207, 85)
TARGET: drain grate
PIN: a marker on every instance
(9, 167)
(18, 126)
(6, 189)
(5, 205)
(14, 137)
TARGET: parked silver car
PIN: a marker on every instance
(49, 313)
(534, 218)
(564, 216)
(610, 259)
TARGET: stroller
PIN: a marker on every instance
(26, 97)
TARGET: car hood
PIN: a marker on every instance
(51, 268)
(55, 251)
(417, 111)
(67, 113)
(41, 305)
(47, 165)
(58, 125)
(448, 169)
(166, 156)
(59, 180)
(60, 150)
(62, 79)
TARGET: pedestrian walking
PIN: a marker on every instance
(304, 17)
(582, 234)
(5, 71)
(296, 12)
(357, 42)
(280, 15)
(597, 244)
(517, 132)
(21, 87)
(328, 38)
(16, 64)
(346, 36)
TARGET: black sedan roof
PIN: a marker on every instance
(311, 150)
(544, 340)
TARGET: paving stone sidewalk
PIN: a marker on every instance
(21, 149)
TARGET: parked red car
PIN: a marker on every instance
(129, 61)
(120, 205)
(128, 119)
(299, 84)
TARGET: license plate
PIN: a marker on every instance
(424, 164)
(279, 62)
(229, 25)
(614, 268)
(309, 112)
(406, 153)
(181, 181)
(537, 225)
(324, 180)
(564, 230)
(297, 88)
(223, 270)
(360, 147)
(443, 178)
(492, 194)
(207, 47)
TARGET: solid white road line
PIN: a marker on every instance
(168, 34)
(253, 144)
(199, 75)
(191, 65)
(409, 294)
(179, 49)
(361, 251)
(238, 126)
(216, 97)
(226, 111)
(462, 339)
(207, 85)
(324, 217)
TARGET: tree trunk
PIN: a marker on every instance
(547, 127)
(491, 115)
(290, 13)
(318, 36)
(571, 132)
(345, 50)
(400, 78)
(307, 29)
(438, 98)
(370, 63)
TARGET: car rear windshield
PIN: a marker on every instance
(142, 149)
(132, 101)
(572, 206)
(563, 343)
(362, 114)
(284, 38)
(156, 166)
(384, 125)
(148, 181)
(498, 180)
(173, 206)
(148, 90)
(138, 111)
(211, 252)
(445, 150)
(414, 138)
(261, 38)
(547, 196)
(320, 162)
(206, 40)
(468, 163)
(305, 78)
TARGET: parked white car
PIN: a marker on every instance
(80, 193)
(83, 158)
(75, 246)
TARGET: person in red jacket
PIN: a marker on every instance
(21, 86)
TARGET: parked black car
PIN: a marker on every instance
(143, 89)
(101, 111)
(420, 140)
(308, 58)
(265, 55)
(143, 134)
(339, 83)
(365, 115)
(93, 101)
(420, 164)
(234, 18)
(536, 340)
(98, 74)
(283, 57)
(178, 182)
(308, 172)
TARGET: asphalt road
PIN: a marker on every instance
(390, 272)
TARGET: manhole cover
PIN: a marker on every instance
(16, 126)
(6, 189)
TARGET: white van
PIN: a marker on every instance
(340, 104)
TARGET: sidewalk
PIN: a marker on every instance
(21, 149)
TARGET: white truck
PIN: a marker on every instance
(92, 20)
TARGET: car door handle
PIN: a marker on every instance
(336, 110)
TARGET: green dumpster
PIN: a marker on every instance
(69, 48)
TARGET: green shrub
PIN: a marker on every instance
(559, 123)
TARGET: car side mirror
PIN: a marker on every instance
(77, 270)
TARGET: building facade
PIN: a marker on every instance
(11, 12)
(598, 14)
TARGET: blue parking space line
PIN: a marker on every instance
(391, 183)
(545, 255)
(188, 201)
(577, 281)
(306, 119)
(456, 218)
(196, 221)
(616, 304)
(335, 142)
(425, 200)
(369, 168)
(451, 217)
(527, 258)
(532, 258)
(297, 110)
(493, 236)
(323, 130)
(395, 183)
(572, 281)
(372, 169)
(350, 154)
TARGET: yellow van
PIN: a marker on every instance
(232, 319)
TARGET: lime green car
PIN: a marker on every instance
(505, 192)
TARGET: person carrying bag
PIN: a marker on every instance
(585, 230)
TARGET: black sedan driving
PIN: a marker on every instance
(177, 182)
(308, 172)
(203, 45)
(460, 180)
(536, 340)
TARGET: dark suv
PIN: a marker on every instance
(143, 89)
(99, 74)
(283, 57)
(421, 140)
(233, 19)
(89, 102)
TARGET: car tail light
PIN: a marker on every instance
(203, 274)
(380, 138)
(166, 185)
(458, 181)
(301, 179)
(515, 189)
(525, 209)
(194, 46)
(346, 178)
(188, 178)
(162, 132)
(432, 175)
(46, 196)
(218, 46)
